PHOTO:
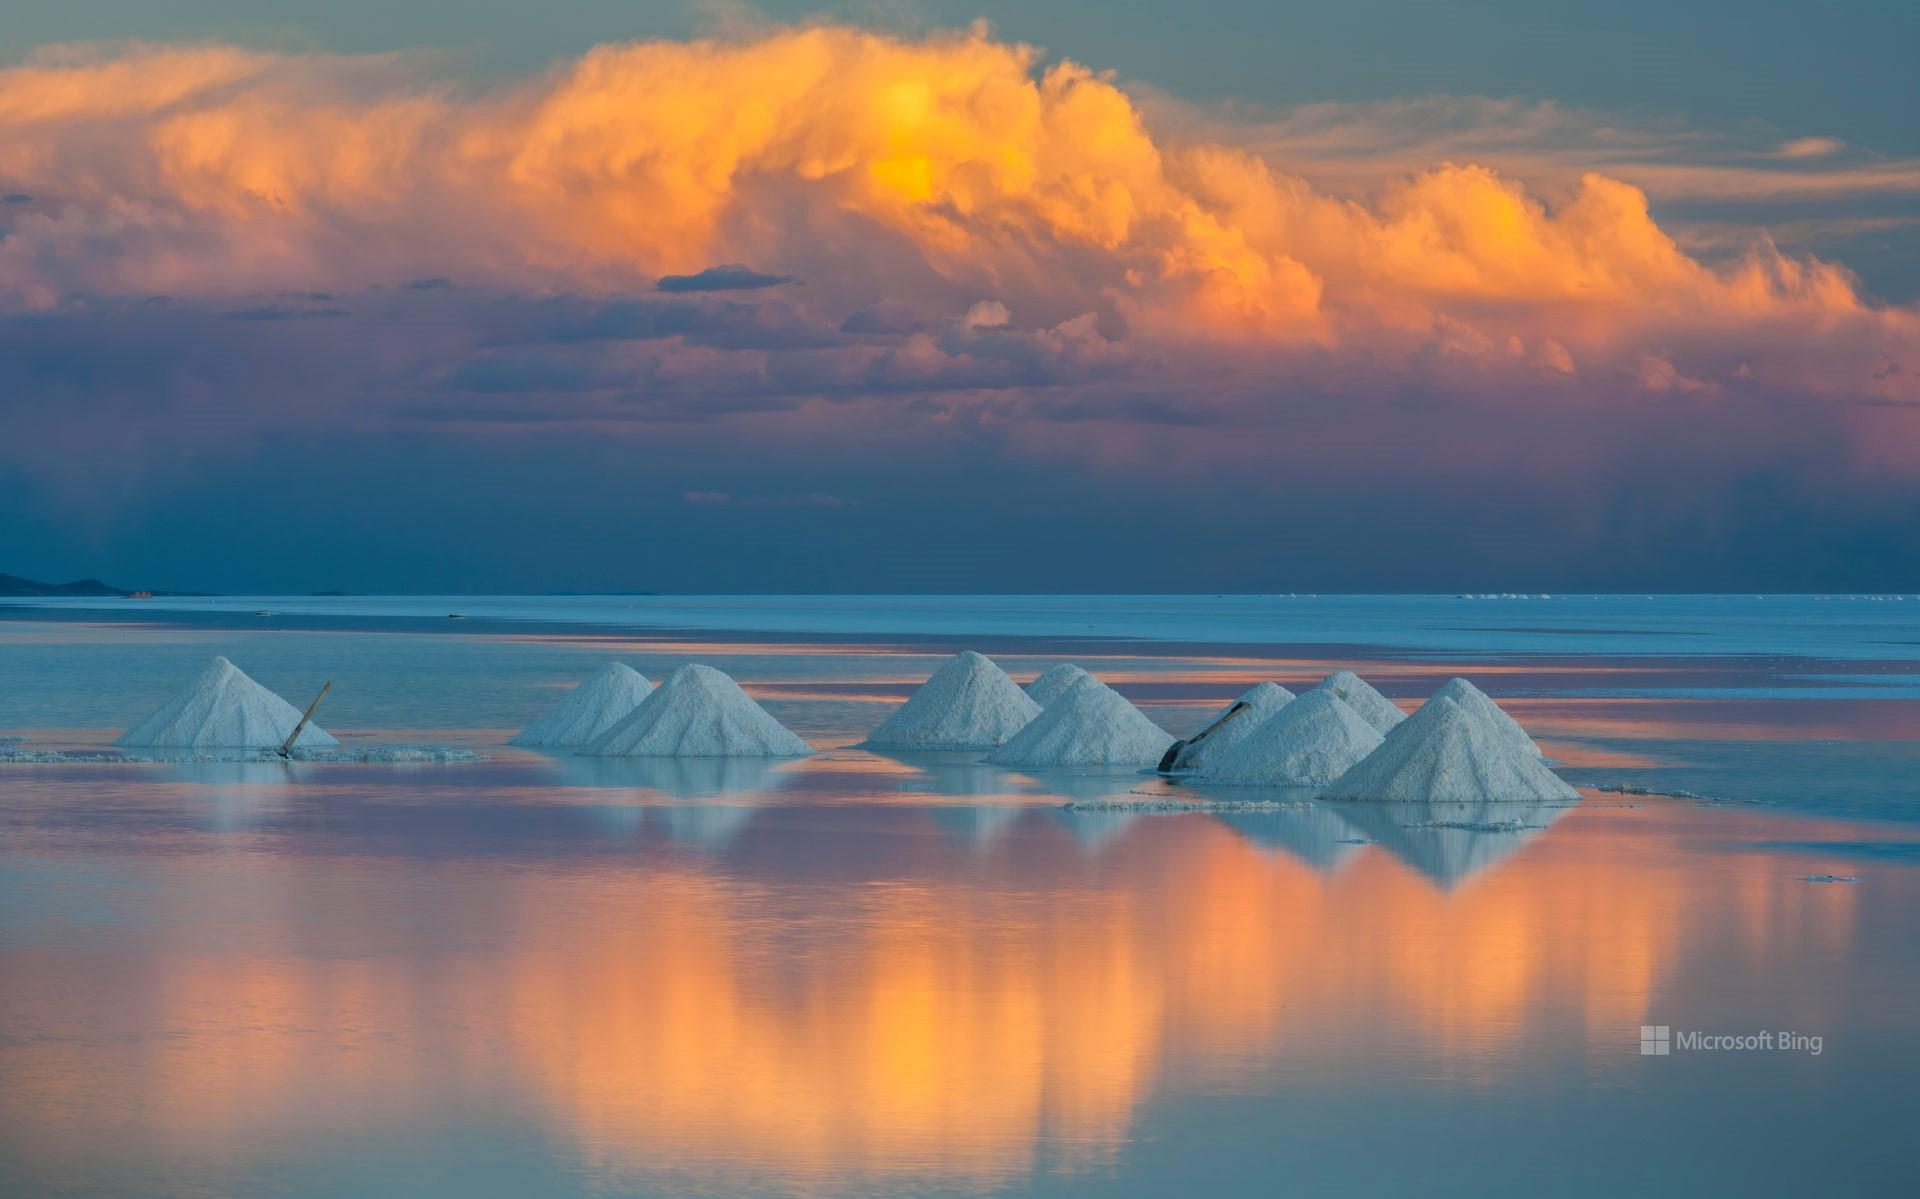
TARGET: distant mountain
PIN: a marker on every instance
(12, 586)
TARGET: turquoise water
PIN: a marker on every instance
(872, 975)
(1880, 627)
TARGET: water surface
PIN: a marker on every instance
(872, 975)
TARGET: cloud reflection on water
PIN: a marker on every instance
(860, 995)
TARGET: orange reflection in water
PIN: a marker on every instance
(917, 1039)
(925, 1010)
(1646, 718)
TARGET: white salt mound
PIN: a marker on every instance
(698, 713)
(1444, 754)
(1262, 702)
(969, 703)
(1481, 707)
(1315, 739)
(589, 710)
(1374, 708)
(222, 709)
(1053, 683)
(1091, 724)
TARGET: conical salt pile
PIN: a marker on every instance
(222, 709)
(969, 703)
(1053, 683)
(1374, 708)
(1444, 754)
(589, 710)
(698, 713)
(1315, 739)
(1262, 702)
(1091, 724)
(1481, 707)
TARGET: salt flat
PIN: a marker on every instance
(885, 972)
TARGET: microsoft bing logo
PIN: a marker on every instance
(1659, 1040)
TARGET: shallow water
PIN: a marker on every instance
(861, 974)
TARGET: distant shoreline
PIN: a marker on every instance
(1883, 629)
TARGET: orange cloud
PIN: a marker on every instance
(949, 170)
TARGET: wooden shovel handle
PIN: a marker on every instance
(287, 749)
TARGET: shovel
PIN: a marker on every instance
(286, 751)
(1170, 761)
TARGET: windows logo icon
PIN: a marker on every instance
(1656, 1040)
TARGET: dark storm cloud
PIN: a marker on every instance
(887, 316)
(278, 312)
(172, 432)
(731, 277)
(724, 324)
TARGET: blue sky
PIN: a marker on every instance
(1841, 68)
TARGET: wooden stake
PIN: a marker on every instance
(286, 751)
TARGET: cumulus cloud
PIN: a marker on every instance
(1003, 264)
(987, 314)
(882, 169)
